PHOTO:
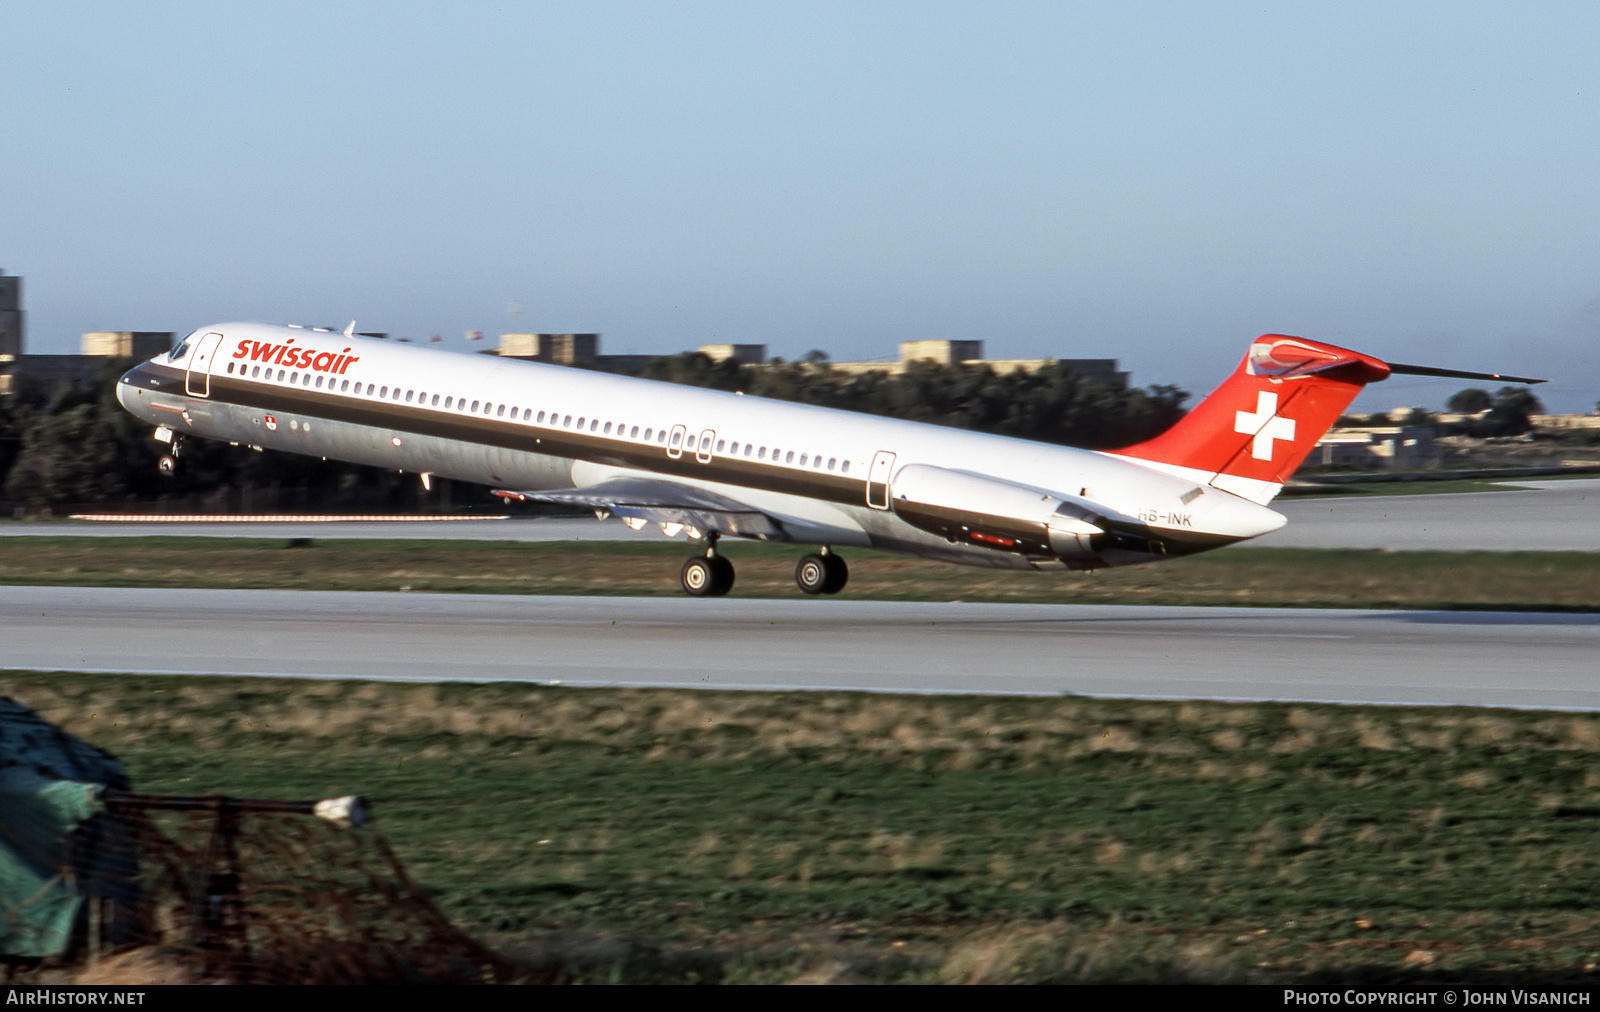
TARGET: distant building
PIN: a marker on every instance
(10, 328)
(584, 350)
(49, 373)
(1381, 446)
(941, 352)
(744, 354)
(10, 317)
(141, 344)
(561, 349)
(1565, 421)
(971, 353)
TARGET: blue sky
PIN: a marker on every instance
(1152, 182)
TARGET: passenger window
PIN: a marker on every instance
(384, 392)
(230, 368)
(747, 448)
(647, 434)
(294, 378)
(689, 443)
(832, 461)
(761, 454)
(255, 371)
(661, 437)
(500, 412)
(720, 444)
(677, 438)
(567, 421)
(608, 428)
(319, 382)
(307, 381)
(408, 396)
(369, 389)
(594, 425)
(474, 405)
(802, 460)
(541, 416)
(448, 401)
(790, 458)
(635, 433)
(580, 421)
(396, 393)
(435, 401)
(844, 468)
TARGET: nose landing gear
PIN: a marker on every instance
(709, 575)
(823, 573)
(168, 464)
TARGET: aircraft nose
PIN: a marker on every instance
(125, 385)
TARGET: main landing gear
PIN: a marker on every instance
(709, 575)
(824, 573)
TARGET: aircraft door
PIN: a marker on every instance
(675, 441)
(702, 453)
(198, 379)
(878, 480)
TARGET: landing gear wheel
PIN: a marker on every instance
(167, 465)
(838, 574)
(707, 576)
(821, 574)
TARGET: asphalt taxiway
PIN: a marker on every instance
(1524, 660)
(1549, 515)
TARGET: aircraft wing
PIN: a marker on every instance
(663, 502)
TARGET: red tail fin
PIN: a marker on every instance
(1254, 430)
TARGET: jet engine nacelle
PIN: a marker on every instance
(995, 514)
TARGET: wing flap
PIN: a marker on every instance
(663, 502)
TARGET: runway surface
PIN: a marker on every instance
(500, 529)
(1551, 516)
(1559, 515)
(1524, 660)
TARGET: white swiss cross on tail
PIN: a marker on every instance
(1265, 424)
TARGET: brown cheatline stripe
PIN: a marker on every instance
(522, 436)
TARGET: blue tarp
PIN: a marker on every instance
(50, 785)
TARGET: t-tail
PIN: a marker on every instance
(1256, 429)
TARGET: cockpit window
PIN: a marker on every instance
(181, 350)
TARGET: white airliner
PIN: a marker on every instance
(715, 464)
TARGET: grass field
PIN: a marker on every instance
(643, 835)
(1549, 581)
(667, 835)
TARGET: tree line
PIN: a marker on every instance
(1507, 412)
(76, 448)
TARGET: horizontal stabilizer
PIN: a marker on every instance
(662, 502)
(1428, 370)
